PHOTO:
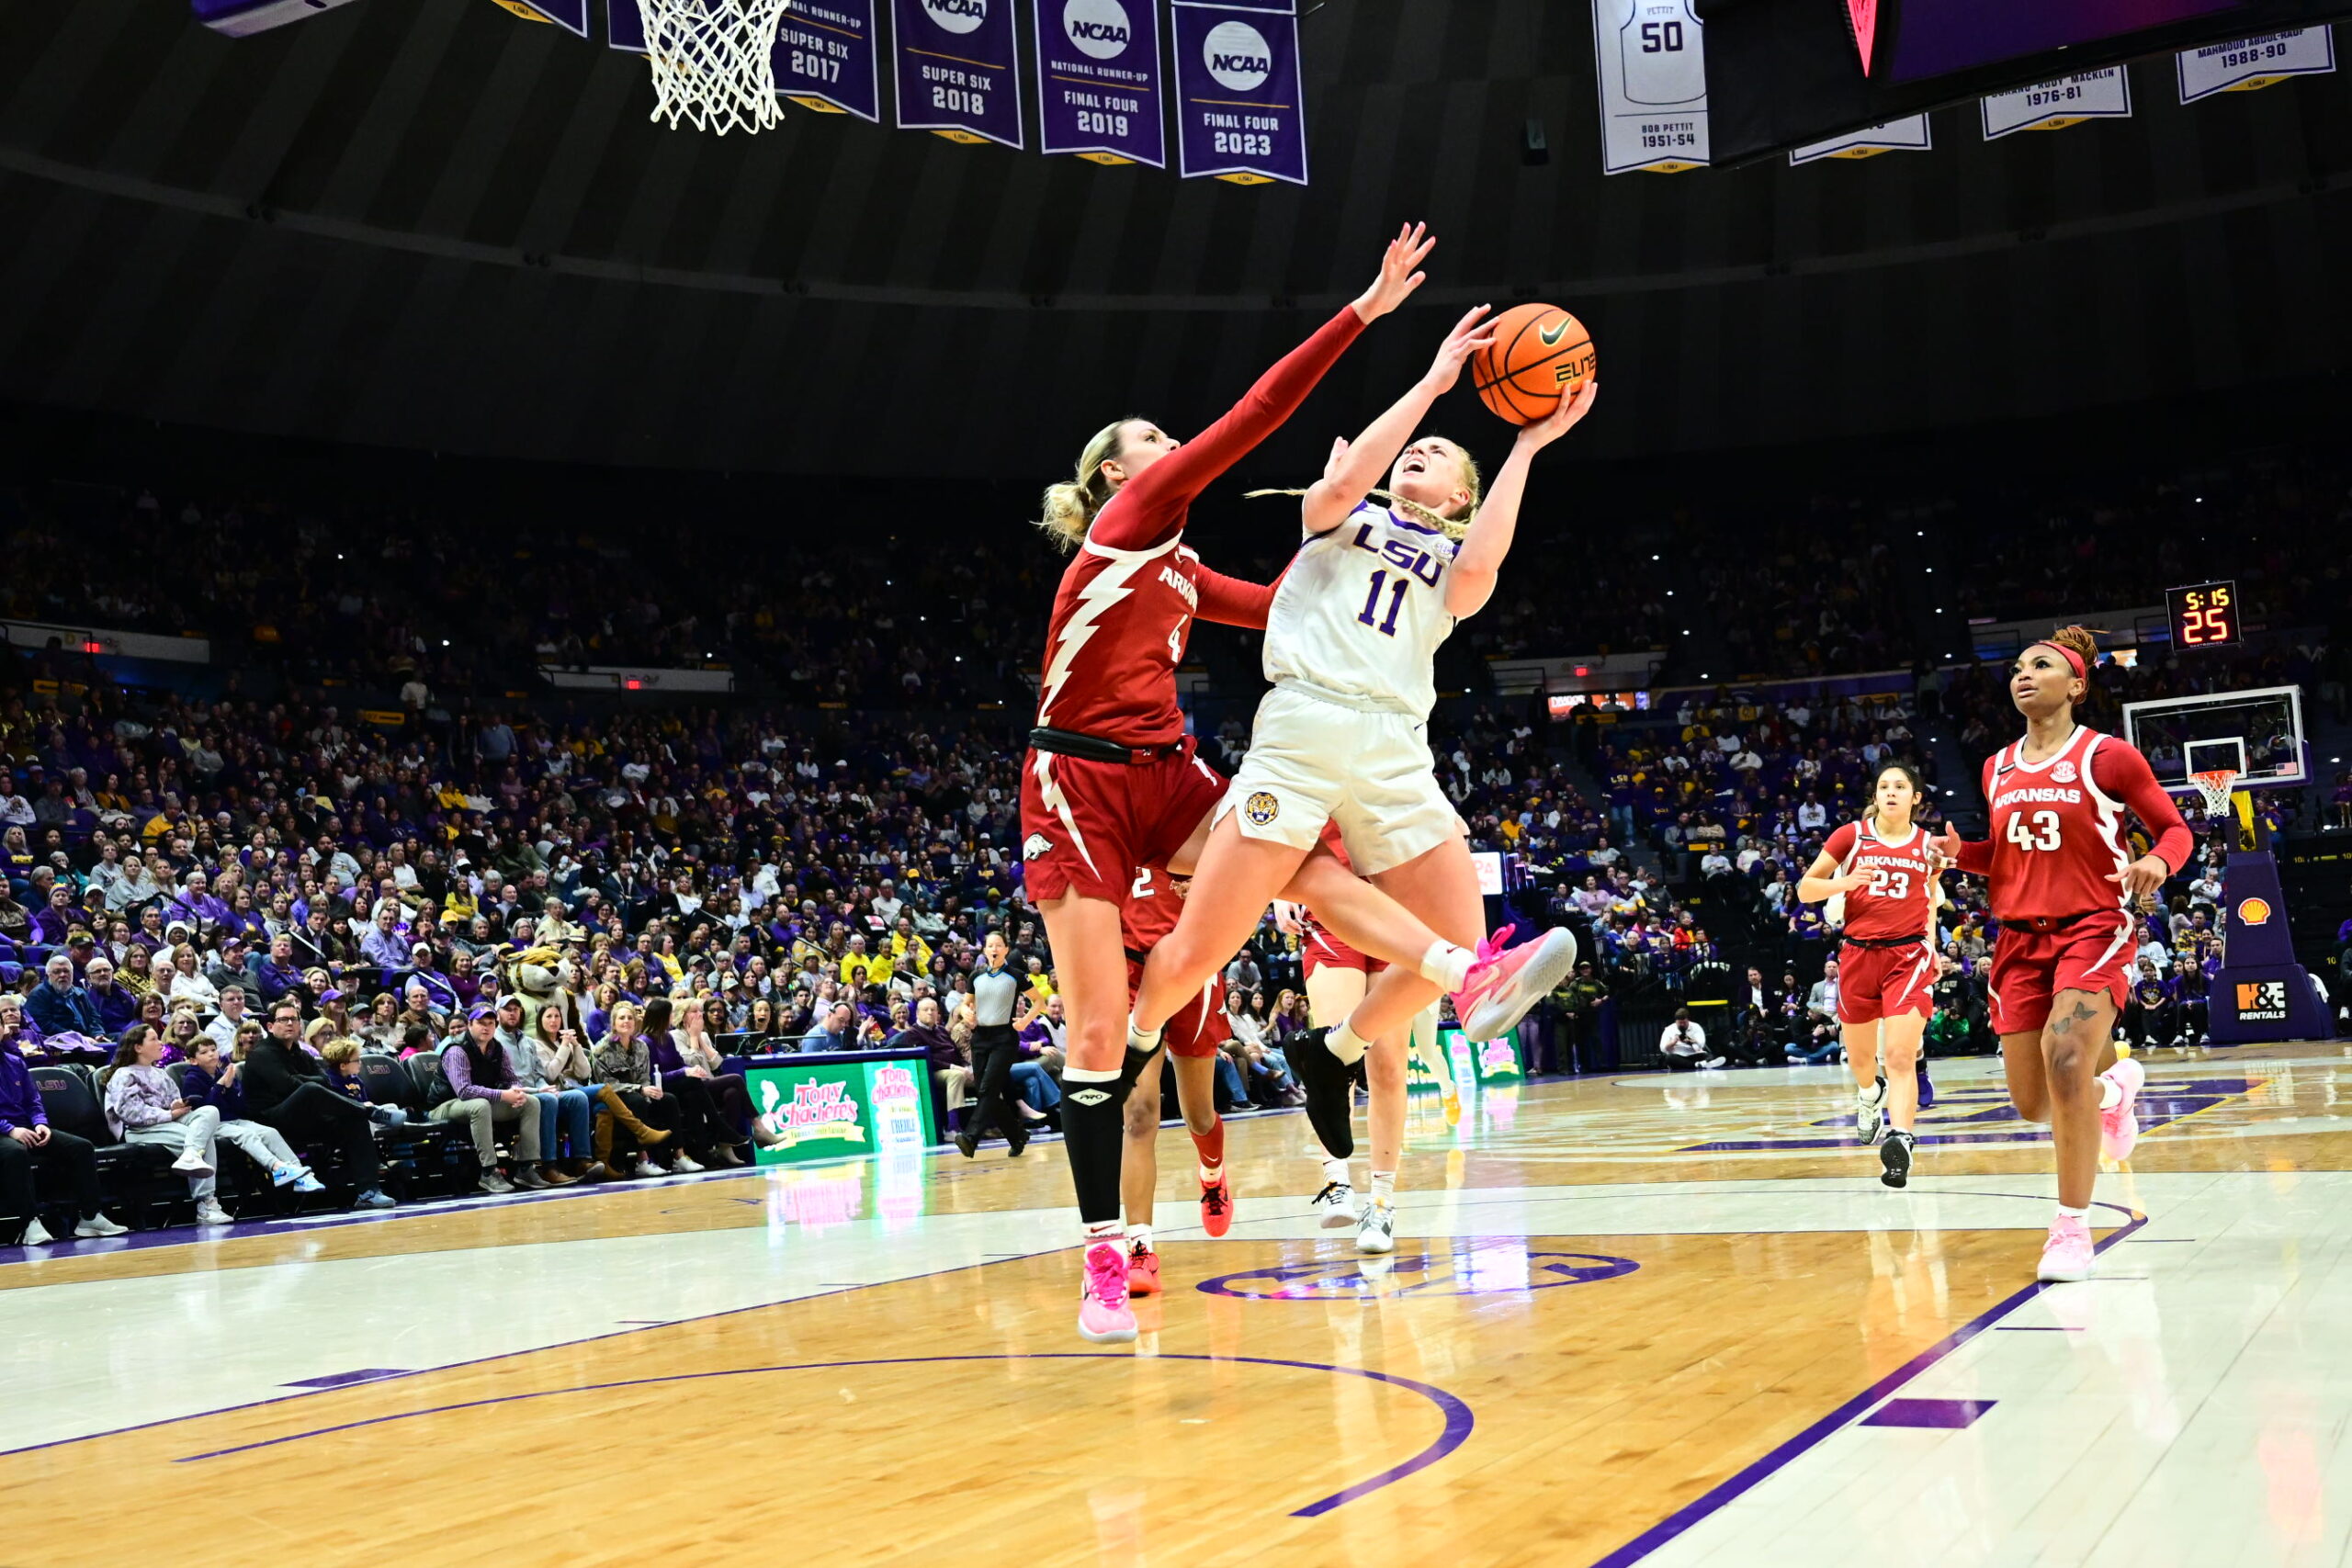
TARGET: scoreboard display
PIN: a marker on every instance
(2205, 615)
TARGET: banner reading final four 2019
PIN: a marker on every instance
(958, 69)
(1239, 116)
(1098, 79)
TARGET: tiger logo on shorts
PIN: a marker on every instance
(1262, 807)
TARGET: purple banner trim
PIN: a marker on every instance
(1240, 114)
(1708, 1502)
(1098, 79)
(826, 58)
(1459, 1421)
(958, 69)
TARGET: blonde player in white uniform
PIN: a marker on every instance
(1343, 737)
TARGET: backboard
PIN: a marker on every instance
(2258, 732)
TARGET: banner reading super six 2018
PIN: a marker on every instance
(958, 69)
(1098, 79)
(1238, 91)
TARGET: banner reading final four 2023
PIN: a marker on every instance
(958, 69)
(1098, 79)
(1240, 115)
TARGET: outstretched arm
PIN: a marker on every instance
(1150, 507)
(1355, 469)
(1470, 583)
(1231, 602)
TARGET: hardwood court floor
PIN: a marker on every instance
(1666, 1320)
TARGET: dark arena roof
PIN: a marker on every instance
(431, 224)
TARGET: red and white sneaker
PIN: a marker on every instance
(2119, 1125)
(2066, 1256)
(1216, 1205)
(1104, 1315)
(1505, 985)
(1143, 1271)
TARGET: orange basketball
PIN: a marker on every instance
(1539, 353)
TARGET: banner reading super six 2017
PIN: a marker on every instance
(1238, 91)
(1098, 79)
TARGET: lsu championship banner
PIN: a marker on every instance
(1098, 79)
(826, 60)
(1906, 135)
(2053, 106)
(958, 69)
(1651, 58)
(1240, 115)
(2250, 63)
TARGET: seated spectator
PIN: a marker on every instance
(625, 1064)
(1045, 1034)
(228, 1020)
(116, 1004)
(484, 1095)
(835, 1030)
(950, 1059)
(701, 1059)
(1268, 1074)
(187, 983)
(286, 1089)
(27, 1144)
(60, 1006)
(339, 1055)
(1684, 1043)
(142, 1106)
(566, 1116)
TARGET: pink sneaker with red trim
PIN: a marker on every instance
(2119, 1125)
(2066, 1256)
(1104, 1315)
(1504, 986)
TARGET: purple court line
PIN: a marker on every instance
(2036, 1328)
(1458, 1418)
(1708, 1502)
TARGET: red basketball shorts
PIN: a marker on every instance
(1885, 982)
(1324, 951)
(2035, 960)
(1200, 1025)
(1086, 827)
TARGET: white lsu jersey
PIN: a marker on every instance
(1361, 612)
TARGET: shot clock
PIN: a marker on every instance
(2205, 615)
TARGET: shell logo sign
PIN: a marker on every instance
(2254, 911)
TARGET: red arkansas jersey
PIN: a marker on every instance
(1153, 906)
(1121, 621)
(2058, 826)
(1900, 900)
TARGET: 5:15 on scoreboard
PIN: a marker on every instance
(2205, 615)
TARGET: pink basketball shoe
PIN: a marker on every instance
(2066, 1256)
(2119, 1125)
(1505, 984)
(1104, 1315)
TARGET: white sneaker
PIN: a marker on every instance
(685, 1163)
(1376, 1228)
(192, 1162)
(1870, 1116)
(209, 1212)
(494, 1184)
(99, 1226)
(36, 1234)
(1334, 1207)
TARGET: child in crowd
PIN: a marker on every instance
(341, 1056)
(144, 1106)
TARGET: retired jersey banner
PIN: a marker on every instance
(2053, 106)
(1651, 59)
(2251, 63)
(1906, 135)
(1237, 93)
(1098, 79)
(958, 69)
(826, 60)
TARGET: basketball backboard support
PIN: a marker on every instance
(2258, 732)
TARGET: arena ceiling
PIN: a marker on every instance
(425, 223)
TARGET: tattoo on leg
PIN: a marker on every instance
(2084, 1013)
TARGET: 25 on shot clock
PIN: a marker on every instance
(2205, 615)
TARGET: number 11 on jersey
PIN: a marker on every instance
(1371, 602)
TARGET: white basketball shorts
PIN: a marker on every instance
(1312, 761)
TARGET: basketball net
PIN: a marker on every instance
(713, 62)
(2214, 785)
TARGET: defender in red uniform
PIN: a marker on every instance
(1882, 870)
(1192, 1038)
(1111, 782)
(2063, 887)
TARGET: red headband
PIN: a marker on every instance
(2074, 660)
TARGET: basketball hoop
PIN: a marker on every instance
(713, 62)
(2214, 785)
